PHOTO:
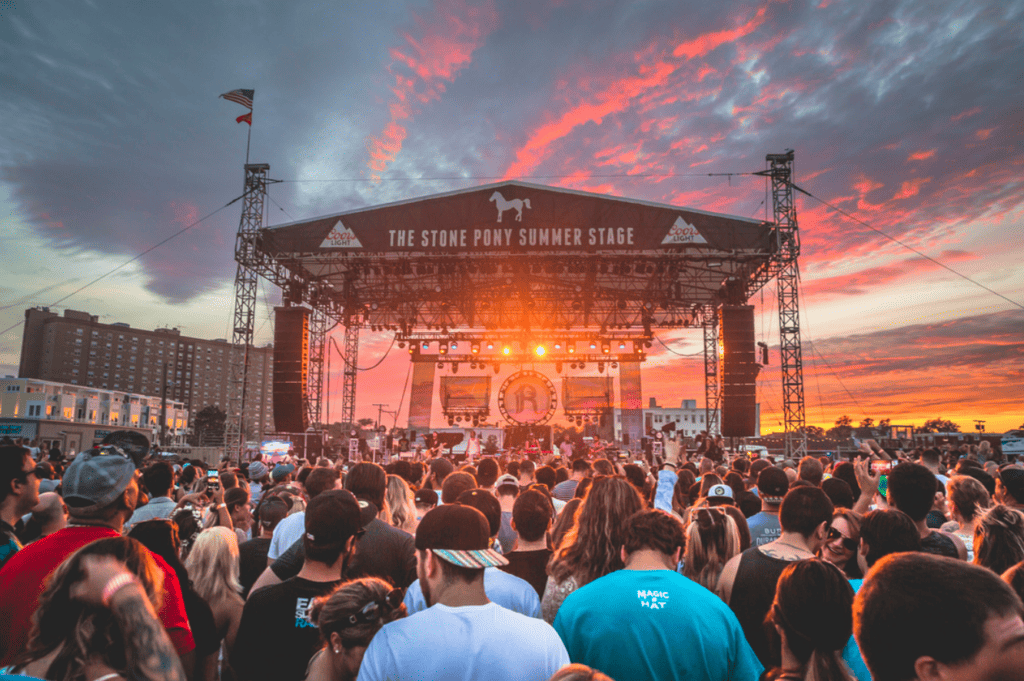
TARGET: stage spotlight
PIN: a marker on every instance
(442, 348)
(458, 419)
(440, 365)
(451, 422)
(455, 346)
(606, 347)
(455, 367)
(577, 305)
(600, 366)
(593, 345)
(570, 348)
(497, 368)
(647, 344)
(426, 345)
(622, 345)
(507, 350)
(401, 344)
(490, 345)
(615, 365)
(573, 365)
(559, 345)
(475, 348)
(583, 365)
(540, 350)
(558, 367)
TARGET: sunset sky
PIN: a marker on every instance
(908, 115)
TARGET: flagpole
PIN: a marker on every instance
(248, 138)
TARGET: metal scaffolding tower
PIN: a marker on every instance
(712, 387)
(788, 243)
(348, 383)
(318, 323)
(246, 279)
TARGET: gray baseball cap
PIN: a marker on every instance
(96, 478)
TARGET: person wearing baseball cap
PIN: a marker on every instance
(101, 490)
(506, 489)
(462, 635)
(502, 587)
(772, 485)
(276, 618)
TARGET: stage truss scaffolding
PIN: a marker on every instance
(442, 269)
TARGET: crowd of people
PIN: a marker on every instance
(702, 565)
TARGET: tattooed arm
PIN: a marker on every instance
(150, 654)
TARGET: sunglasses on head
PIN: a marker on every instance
(374, 610)
(848, 543)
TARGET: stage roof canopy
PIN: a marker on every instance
(518, 256)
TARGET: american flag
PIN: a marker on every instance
(243, 97)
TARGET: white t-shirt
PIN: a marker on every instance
(507, 590)
(287, 532)
(463, 644)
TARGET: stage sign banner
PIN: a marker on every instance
(516, 217)
(587, 393)
(465, 392)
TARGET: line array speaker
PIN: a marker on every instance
(739, 371)
(291, 361)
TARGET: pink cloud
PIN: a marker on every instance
(442, 46)
(911, 188)
(922, 155)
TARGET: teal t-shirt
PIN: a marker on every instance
(656, 624)
(851, 653)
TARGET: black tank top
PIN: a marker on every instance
(753, 592)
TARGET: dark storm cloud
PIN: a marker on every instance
(978, 342)
(114, 137)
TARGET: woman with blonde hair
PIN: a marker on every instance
(999, 538)
(711, 540)
(966, 498)
(96, 618)
(348, 618)
(212, 565)
(402, 503)
(592, 546)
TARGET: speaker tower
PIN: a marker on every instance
(291, 359)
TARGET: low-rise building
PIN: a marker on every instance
(76, 417)
(76, 348)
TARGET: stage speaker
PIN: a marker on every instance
(291, 360)
(739, 371)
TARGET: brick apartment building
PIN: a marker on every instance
(77, 348)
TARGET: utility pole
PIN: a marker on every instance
(163, 410)
(380, 410)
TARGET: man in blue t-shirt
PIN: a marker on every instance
(772, 485)
(649, 622)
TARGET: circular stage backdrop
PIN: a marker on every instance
(527, 398)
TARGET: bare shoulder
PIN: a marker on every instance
(728, 577)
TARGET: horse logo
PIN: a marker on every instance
(504, 205)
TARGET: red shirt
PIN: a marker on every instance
(23, 576)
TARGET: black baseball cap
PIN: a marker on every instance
(332, 517)
(459, 535)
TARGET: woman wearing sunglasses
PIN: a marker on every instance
(348, 618)
(842, 543)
